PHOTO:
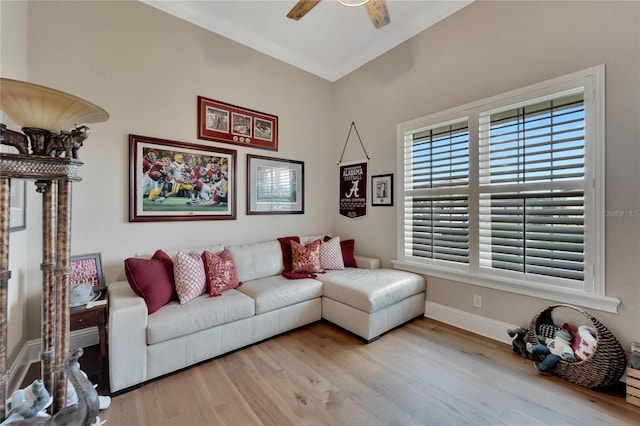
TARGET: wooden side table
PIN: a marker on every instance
(94, 360)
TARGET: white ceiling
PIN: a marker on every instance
(330, 41)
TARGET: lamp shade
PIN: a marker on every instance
(353, 2)
(31, 105)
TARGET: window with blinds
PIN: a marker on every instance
(437, 185)
(508, 191)
(531, 174)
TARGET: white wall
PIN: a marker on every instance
(489, 48)
(146, 68)
(13, 64)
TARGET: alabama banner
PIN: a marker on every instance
(353, 189)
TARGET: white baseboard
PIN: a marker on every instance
(30, 353)
(487, 327)
(18, 370)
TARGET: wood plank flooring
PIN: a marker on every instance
(424, 372)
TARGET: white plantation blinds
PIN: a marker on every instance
(539, 142)
(436, 187)
(532, 169)
(439, 157)
(275, 184)
(508, 192)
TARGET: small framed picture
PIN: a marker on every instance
(217, 120)
(274, 185)
(87, 268)
(382, 190)
(263, 129)
(223, 122)
(241, 125)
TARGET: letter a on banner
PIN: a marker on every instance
(353, 183)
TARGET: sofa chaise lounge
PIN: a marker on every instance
(366, 301)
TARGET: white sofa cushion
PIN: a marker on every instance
(257, 260)
(175, 320)
(276, 292)
(370, 290)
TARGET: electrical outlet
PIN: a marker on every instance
(477, 301)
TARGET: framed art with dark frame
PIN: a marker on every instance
(274, 186)
(87, 268)
(223, 122)
(171, 180)
(18, 208)
(382, 190)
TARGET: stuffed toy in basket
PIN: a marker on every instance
(603, 368)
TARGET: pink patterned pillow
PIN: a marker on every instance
(331, 254)
(221, 272)
(306, 259)
(188, 271)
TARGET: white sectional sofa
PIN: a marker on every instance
(367, 301)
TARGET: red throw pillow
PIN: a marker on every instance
(306, 259)
(221, 272)
(168, 263)
(285, 246)
(148, 279)
(348, 249)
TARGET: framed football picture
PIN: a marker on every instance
(171, 180)
(223, 122)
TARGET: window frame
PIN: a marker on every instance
(593, 294)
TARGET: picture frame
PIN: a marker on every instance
(181, 181)
(223, 122)
(18, 207)
(87, 268)
(382, 190)
(274, 186)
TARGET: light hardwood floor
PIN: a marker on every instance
(424, 372)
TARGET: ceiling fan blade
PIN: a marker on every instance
(378, 13)
(302, 8)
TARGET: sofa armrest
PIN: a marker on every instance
(128, 319)
(366, 262)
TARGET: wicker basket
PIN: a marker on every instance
(603, 368)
